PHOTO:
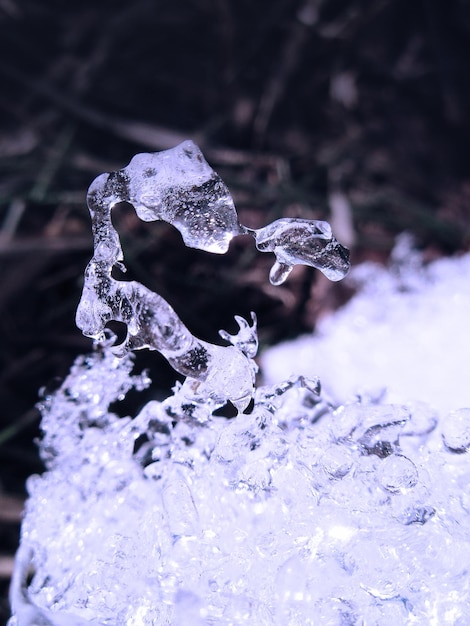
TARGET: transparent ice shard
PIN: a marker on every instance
(246, 340)
(176, 186)
(299, 241)
(179, 187)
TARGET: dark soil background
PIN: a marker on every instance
(351, 111)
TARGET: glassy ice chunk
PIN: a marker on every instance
(299, 241)
(397, 473)
(179, 507)
(176, 186)
(376, 428)
(417, 515)
(456, 430)
(337, 461)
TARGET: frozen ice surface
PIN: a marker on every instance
(405, 333)
(297, 513)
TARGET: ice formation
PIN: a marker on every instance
(179, 187)
(301, 511)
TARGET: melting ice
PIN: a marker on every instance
(348, 507)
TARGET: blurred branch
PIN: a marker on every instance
(277, 84)
(148, 135)
(11, 510)
(30, 417)
(6, 566)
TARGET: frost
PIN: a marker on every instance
(300, 510)
(280, 516)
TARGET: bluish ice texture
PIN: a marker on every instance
(297, 513)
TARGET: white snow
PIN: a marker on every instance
(405, 332)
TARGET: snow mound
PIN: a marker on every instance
(405, 333)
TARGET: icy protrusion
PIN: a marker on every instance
(246, 340)
(176, 186)
(179, 187)
(299, 241)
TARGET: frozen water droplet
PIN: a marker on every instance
(279, 273)
(456, 430)
(397, 473)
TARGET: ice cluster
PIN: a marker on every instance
(297, 513)
(300, 511)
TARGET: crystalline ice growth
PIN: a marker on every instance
(179, 187)
(456, 430)
(253, 520)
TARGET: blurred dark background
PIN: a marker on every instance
(351, 111)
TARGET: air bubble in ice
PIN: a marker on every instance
(397, 473)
